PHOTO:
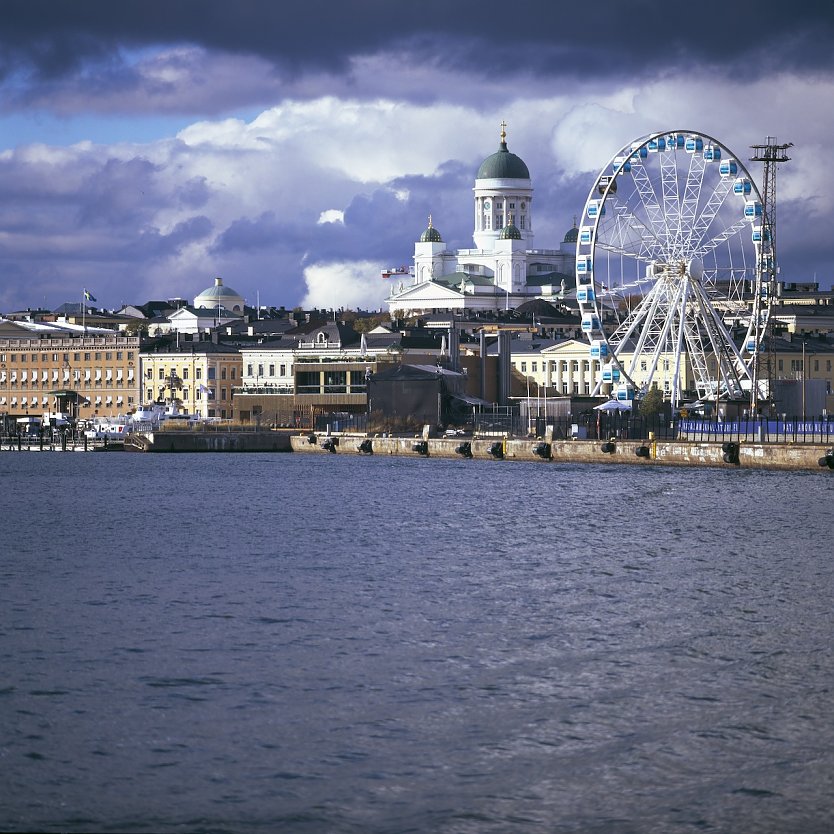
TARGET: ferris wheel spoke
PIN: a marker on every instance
(704, 237)
(690, 203)
(651, 206)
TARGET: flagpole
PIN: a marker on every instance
(84, 311)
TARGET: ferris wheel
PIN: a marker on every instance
(674, 270)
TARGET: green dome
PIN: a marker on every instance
(503, 165)
(431, 235)
(572, 235)
(510, 232)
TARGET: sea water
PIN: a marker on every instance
(304, 643)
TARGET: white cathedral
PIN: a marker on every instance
(503, 270)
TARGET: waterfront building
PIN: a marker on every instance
(197, 375)
(564, 367)
(48, 367)
(503, 270)
(314, 367)
(324, 367)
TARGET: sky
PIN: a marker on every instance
(296, 150)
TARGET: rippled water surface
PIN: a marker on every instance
(293, 643)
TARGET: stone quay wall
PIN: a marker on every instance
(629, 452)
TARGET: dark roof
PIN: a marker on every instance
(503, 165)
(169, 344)
(414, 373)
(540, 308)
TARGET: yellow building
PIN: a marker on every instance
(566, 368)
(45, 369)
(198, 376)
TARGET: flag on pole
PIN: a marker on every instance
(89, 296)
(205, 390)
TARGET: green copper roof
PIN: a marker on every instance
(510, 232)
(431, 235)
(572, 235)
(503, 165)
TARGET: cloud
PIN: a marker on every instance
(268, 199)
(353, 285)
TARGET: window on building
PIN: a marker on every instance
(185, 394)
(22, 357)
(283, 370)
(222, 393)
(108, 355)
(272, 370)
(575, 366)
(587, 388)
(212, 373)
(534, 367)
(161, 373)
(249, 367)
(234, 372)
(523, 367)
(816, 364)
(185, 373)
(223, 373)
(575, 387)
(198, 373)
(119, 354)
(261, 369)
(643, 365)
(780, 365)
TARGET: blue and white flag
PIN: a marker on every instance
(89, 296)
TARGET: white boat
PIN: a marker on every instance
(149, 416)
(110, 429)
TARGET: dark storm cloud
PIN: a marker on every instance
(251, 235)
(489, 37)
(152, 244)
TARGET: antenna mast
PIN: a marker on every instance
(770, 154)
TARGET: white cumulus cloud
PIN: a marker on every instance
(354, 285)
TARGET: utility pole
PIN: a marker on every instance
(770, 154)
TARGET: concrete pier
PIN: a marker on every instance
(628, 452)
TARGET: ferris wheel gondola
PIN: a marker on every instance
(674, 270)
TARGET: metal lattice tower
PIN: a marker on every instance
(770, 154)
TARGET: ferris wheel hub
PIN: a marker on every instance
(695, 269)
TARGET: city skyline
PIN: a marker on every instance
(297, 152)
